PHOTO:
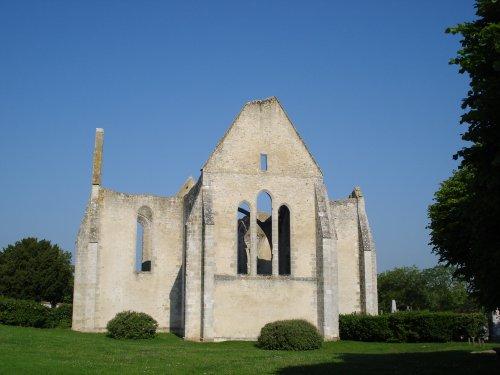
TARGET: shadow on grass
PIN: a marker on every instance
(446, 362)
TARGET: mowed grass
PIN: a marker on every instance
(57, 351)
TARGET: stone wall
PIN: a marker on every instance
(157, 292)
(356, 256)
(118, 286)
(345, 219)
(244, 304)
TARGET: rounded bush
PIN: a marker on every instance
(294, 334)
(132, 325)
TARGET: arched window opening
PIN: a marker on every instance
(243, 236)
(264, 234)
(143, 253)
(284, 240)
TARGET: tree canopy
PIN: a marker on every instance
(433, 289)
(465, 217)
(36, 270)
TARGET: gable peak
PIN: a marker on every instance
(271, 99)
(262, 105)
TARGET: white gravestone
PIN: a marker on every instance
(495, 325)
(393, 306)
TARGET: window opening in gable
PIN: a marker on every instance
(263, 162)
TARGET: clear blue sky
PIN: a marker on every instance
(367, 84)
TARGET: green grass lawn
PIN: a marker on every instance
(54, 351)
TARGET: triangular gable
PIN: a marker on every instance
(258, 115)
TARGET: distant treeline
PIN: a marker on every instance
(432, 289)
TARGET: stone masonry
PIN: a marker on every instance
(195, 262)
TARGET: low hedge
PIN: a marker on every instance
(412, 327)
(364, 327)
(25, 313)
(294, 334)
(132, 325)
(61, 316)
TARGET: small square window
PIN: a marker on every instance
(263, 162)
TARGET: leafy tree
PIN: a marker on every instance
(433, 289)
(465, 218)
(451, 219)
(444, 292)
(36, 270)
(402, 284)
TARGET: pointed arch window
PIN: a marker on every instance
(264, 233)
(143, 253)
(243, 237)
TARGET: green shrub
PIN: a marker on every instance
(132, 325)
(61, 315)
(24, 313)
(290, 335)
(364, 327)
(419, 326)
(469, 325)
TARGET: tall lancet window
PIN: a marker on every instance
(144, 251)
(264, 234)
(284, 240)
(243, 237)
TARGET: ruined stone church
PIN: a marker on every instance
(255, 239)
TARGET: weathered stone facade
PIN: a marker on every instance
(199, 271)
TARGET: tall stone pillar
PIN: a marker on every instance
(208, 265)
(275, 239)
(326, 268)
(253, 239)
(193, 272)
(97, 159)
(87, 250)
(368, 261)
